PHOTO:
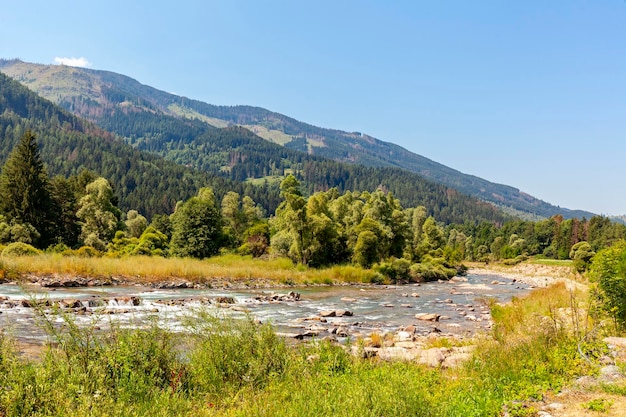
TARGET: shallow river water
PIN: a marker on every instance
(461, 303)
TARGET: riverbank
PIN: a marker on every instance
(534, 274)
(529, 364)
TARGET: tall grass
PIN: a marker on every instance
(231, 268)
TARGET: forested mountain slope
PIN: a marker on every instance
(105, 97)
(142, 181)
(208, 156)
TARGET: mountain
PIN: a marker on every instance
(119, 104)
(69, 145)
(152, 184)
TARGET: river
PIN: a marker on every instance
(461, 304)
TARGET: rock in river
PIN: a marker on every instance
(428, 316)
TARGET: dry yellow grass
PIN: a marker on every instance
(227, 268)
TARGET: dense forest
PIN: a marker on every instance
(142, 181)
(223, 159)
(143, 114)
(80, 215)
(68, 185)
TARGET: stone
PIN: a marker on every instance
(364, 352)
(611, 373)
(407, 344)
(343, 313)
(433, 357)
(414, 294)
(427, 316)
(70, 303)
(341, 332)
(618, 342)
(410, 329)
(404, 336)
(455, 359)
(327, 313)
(348, 300)
(396, 353)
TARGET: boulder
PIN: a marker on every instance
(427, 316)
(404, 336)
(433, 357)
(327, 313)
(70, 303)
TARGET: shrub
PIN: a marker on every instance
(84, 252)
(608, 270)
(396, 270)
(20, 249)
(432, 269)
(232, 354)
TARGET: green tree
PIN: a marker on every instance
(608, 270)
(99, 218)
(25, 190)
(293, 232)
(366, 249)
(197, 226)
(135, 223)
(581, 254)
(238, 215)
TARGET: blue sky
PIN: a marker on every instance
(526, 93)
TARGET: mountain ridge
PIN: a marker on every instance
(152, 183)
(95, 94)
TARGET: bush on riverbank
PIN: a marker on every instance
(238, 368)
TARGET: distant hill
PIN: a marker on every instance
(142, 181)
(107, 98)
(202, 155)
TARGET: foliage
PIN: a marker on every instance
(99, 217)
(582, 255)
(20, 249)
(432, 269)
(25, 191)
(233, 354)
(601, 405)
(608, 270)
(197, 226)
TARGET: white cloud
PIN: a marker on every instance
(73, 62)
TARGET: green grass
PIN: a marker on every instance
(550, 262)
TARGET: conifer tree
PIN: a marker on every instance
(25, 189)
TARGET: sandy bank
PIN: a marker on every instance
(533, 274)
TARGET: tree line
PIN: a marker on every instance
(368, 228)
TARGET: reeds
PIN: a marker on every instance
(226, 268)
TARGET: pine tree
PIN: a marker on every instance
(25, 189)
